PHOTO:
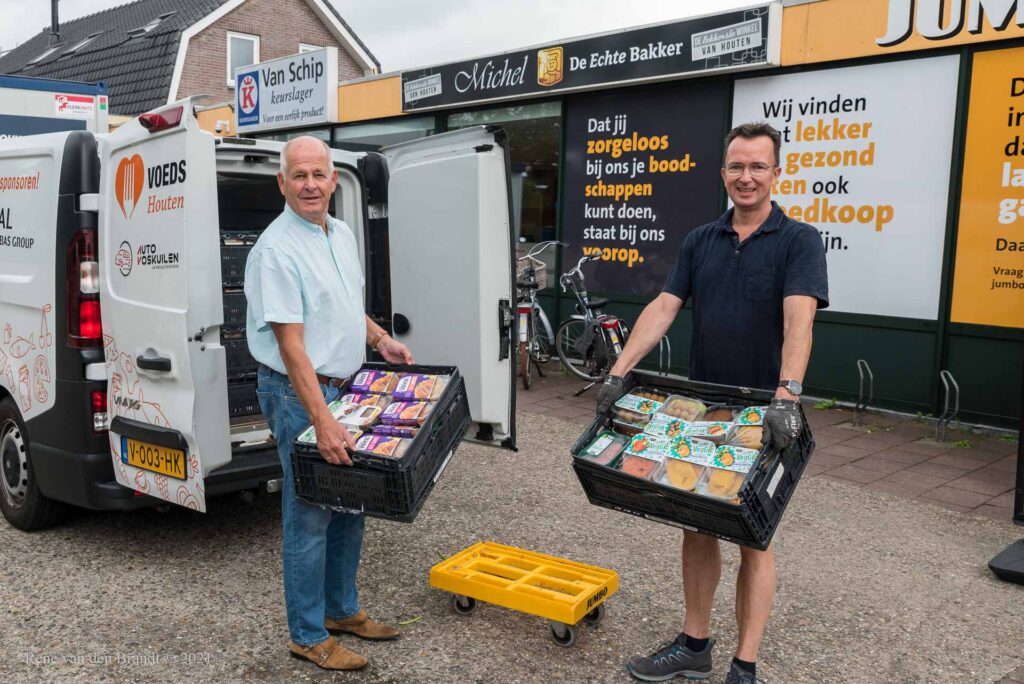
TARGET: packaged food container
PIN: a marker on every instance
(746, 436)
(721, 413)
(395, 430)
(650, 446)
(308, 436)
(682, 474)
(628, 429)
(665, 426)
(718, 433)
(414, 387)
(377, 382)
(692, 449)
(684, 407)
(440, 382)
(639, 466)
(636, 408)
(605, 448)
(735, 458)
(407, 412)
(383, 445)
(720, 483)
(752, 415)
(365, 399)
(360, 416)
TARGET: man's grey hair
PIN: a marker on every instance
(287, 146)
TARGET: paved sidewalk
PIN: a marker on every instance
(969, 473)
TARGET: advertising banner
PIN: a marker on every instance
(641, 172)
(843, 29)
(866, 161)
(741, 39)
(301, 90)
(988, 280)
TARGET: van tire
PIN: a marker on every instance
(22, 503)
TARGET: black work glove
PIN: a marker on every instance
(783, 423)
(612, 388)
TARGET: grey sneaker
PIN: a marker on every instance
(739, 676)
(672, 660)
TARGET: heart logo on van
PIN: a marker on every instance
(128, 183)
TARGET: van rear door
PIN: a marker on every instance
(161, 306)
(451, 257)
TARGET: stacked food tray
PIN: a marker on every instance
(241, 366)
(689, 454)
(407, 420)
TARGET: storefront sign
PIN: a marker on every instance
(866, 161)
(742, 39)
(301, 90)
(842, 29)
(641, 172)
(988, 283)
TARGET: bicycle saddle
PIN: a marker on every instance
(597, 303)
(527, 286)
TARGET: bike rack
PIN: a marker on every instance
(663, 345)
(862, 403)
(947, 415)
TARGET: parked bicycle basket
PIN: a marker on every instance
(540, 271)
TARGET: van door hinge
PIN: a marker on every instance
(89, 201)
(377, 211)
(505, 320)
(483, 148)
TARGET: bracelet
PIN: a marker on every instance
(376, 340)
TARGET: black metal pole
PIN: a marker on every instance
(1009, 565)
(54, 23)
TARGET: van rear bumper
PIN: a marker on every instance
(87, 480)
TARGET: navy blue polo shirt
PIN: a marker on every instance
(737, 290)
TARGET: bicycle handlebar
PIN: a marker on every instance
(540, 247)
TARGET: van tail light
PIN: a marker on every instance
(98, 400)
(83, 291)
(155, 122)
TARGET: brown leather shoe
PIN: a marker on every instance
(362, 626)
(329, 655)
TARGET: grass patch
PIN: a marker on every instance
(962, 444)
(1012, 439)
(826, 404)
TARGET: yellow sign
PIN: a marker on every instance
(843, 29)
(988, 283)
(549, 66)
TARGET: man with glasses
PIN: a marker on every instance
(756, 278)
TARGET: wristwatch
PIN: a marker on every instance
(793, 386)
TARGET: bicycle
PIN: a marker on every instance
(588, 343)
(535, 335)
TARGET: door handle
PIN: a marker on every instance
(156, 363)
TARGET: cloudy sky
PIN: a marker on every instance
(408, 33)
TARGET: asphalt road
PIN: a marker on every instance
(871, 588)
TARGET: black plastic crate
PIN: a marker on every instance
(240, 362)
(383, 487)
(232, 264)
(763, 497)
(235, 305)
(242, 400)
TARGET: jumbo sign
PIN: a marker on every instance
(933, 23)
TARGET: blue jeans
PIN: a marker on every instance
(320, 547)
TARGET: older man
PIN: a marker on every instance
(307, 328)
(756, 279)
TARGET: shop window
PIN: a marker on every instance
(243, 50)
(535, 144)
(373, 136)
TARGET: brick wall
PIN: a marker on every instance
(280, 24)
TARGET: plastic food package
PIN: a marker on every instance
(714, 432)
(735, 458)
(752, 415)
(662, 425)
(308, 436)
(747, 436)
(638, 466)
(682, 474)
(636, 407)
(683, 407)
(363, 399)
(627, 429)
(383, 445)
(440, 383)
(360, 416)
(605, 448)
(377, 382)
(720, 414)
(396, 430)
(699, 451)
(407, 412)
(721, 484)
(416, 387)
(650, 446)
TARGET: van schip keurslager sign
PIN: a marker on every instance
(300, 90)
(734, 40)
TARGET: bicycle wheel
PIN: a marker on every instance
(579, 359)
(525, 348)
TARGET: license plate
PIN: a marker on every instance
(158, 459)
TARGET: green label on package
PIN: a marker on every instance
(650, 446)
(598, 446)
(752, 415)
(735, 458)
(666, 426)
(631, 402)
(698, 451)
(706, 429)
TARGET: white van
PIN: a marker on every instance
(125, 377)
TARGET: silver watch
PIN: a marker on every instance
(793, 386)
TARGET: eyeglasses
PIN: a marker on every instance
(757, 170)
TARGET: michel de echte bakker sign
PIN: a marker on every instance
(742, 39)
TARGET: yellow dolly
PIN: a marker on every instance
(560, 590)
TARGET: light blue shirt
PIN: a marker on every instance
(297, 274)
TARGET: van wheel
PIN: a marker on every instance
(22, 503)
